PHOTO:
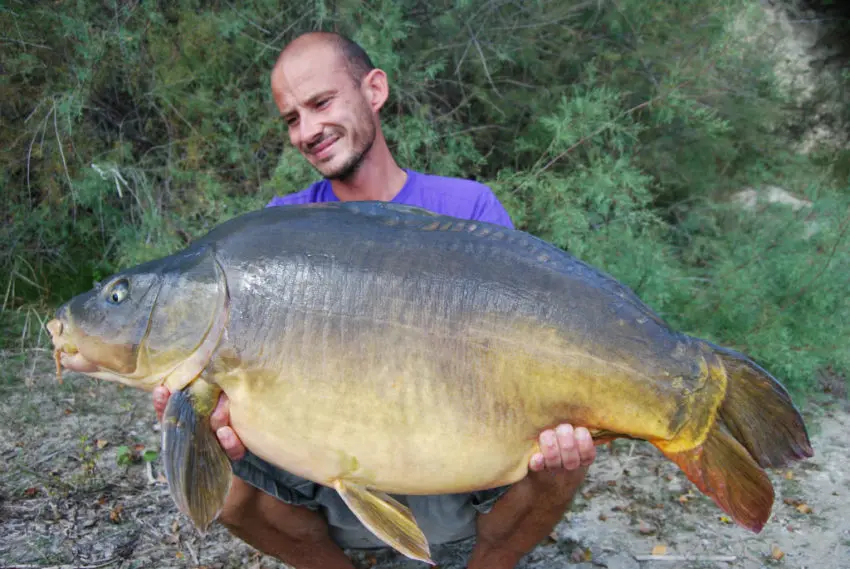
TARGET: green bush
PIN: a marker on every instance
(617, 130)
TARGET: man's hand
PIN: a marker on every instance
(563, 448)
(219, 421)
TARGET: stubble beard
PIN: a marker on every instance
(345, 171)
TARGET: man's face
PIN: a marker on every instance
(329, 117)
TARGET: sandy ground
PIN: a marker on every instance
(66, 502)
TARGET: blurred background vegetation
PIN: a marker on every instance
(623, 131)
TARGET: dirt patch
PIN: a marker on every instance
(76, 491)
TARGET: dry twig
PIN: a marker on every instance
(686, 558)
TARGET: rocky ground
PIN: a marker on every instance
(77, 492)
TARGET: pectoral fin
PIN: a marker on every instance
(391, 521)
(197, 469)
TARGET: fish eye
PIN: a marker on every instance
(118, 292)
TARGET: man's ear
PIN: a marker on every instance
(375, 88)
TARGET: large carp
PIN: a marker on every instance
(380, 349)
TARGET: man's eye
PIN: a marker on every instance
(291, 120)
(323, 103)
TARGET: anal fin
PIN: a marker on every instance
(391, 521)
(723, 470)
(196, 468)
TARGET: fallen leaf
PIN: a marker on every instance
(115, 514)
(659, 550)
(776, 553)
(789, 475)
(30, 492)
(602, 517)
(645, 528)
(804, 509)
(101, 443)
(683, 499)
(725, 519)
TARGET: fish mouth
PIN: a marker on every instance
(65, 353)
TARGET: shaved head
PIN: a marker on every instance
(354, 57)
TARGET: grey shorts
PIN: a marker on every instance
(445, 518)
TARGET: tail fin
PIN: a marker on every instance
(759, 413)
(757, 426)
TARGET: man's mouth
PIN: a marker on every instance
(322, 149)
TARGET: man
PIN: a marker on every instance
(330, 95)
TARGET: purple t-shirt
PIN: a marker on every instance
(457, 197)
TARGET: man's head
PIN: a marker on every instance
(330, 94)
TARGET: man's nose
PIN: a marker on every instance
(311, 130)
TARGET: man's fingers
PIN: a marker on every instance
(536, 464)
(586, 448)
(221, 414)
(568, 446)
(231, 444)
(227, 438)
(549, 448)
(160, 400)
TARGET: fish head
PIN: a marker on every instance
(155, 323)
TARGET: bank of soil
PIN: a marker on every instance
(75, 491)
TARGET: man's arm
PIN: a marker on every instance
(532, 507)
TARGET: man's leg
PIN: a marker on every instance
(295, 535)
(523, 517)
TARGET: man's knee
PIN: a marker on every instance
(247, 508)
(242, 501)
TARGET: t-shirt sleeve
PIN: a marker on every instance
(488, 208)
(302, 197)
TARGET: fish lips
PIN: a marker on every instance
(67, 342)
(77, 362)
